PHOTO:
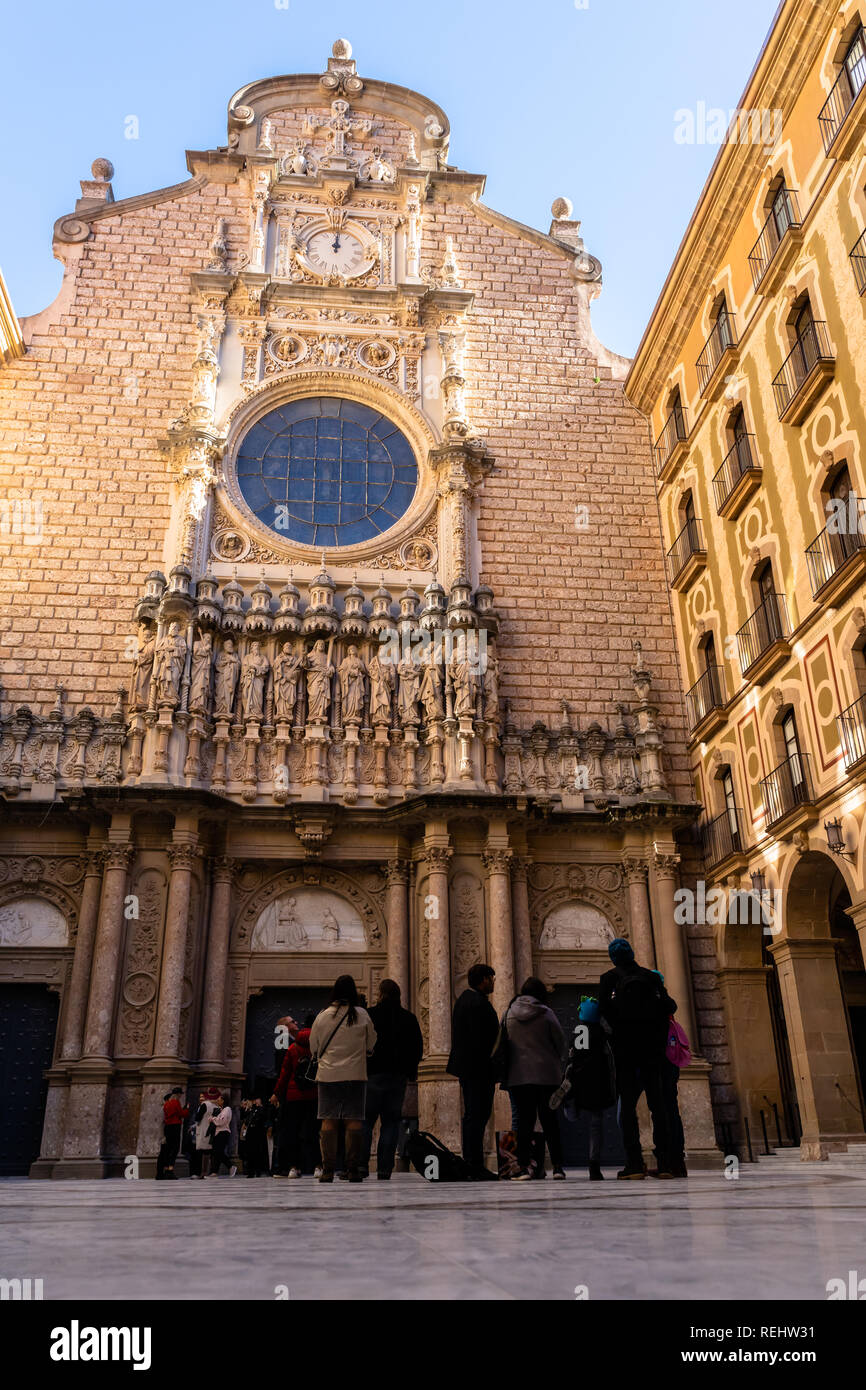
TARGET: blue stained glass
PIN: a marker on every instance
(344, 471)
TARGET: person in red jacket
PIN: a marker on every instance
(298, 1111)
(173, 1116)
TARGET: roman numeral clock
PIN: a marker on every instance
(335, 249)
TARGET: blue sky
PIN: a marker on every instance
(549, 98)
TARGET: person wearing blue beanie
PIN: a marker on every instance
(590, 1079)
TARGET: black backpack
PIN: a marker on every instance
(639, 998)
(305, 1073)
(429, 1156)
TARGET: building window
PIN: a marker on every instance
(794, 756)
(326, 472)
(855, 63)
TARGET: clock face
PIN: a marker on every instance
(336, 253)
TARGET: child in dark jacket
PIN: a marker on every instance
(590, 1078)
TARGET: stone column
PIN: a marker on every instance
(83, 1139)
(496, 862)
(438, 1099)
(438, 950)
(107, 951)
(857, 913)
(76, 1004)
(672, 942)
(753, 1050)
(817, 1026)
(165, 1068)
(182, 856)
(397, 917)
(702, 1150)
(637, 872)
(213, 1003)
(520, 865)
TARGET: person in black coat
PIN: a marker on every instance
(391, 1066)
(474, 1030)
(637, 1007)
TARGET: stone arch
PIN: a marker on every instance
(561, 896)
(302, 877)
(53, 893)
(806, 882)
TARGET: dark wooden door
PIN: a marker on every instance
(260, 1055)
(28, 1023)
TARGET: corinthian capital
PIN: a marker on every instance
(397, 872)
(666, 865)
(635, 868)
(182, 856)
(438, 858)
(496, 861)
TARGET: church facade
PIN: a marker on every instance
(338, 636)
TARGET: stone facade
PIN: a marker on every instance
(236, 759)
(752, 370)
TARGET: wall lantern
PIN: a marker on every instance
(835, 840)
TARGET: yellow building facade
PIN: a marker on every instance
(752, 372)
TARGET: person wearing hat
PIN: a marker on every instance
(637, 1007)
(590, 1080)
(173, 1116)
(208, 1105)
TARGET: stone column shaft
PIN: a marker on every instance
(82, 961)
(182, 856)
(438, 951)
(397, 915)
(213, 1004)
(496, 862)
(520, 919)
(639, 912)
(674, 949)
(106, 953)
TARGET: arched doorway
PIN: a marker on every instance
(817, 1019)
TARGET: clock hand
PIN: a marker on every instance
(336, 244)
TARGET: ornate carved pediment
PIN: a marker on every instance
(299, 904)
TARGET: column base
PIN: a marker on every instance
(78, 1168)
(439, 1106)
(696, 1111)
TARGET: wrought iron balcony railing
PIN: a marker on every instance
(738, 461)
(723, 837)
(830, 550)
(722, 338)
(852, 731)
(688, 543)
(788, 786)
(706, 694)
(784, 218)
(843, 94)
(768, 624)
(858, 262)
(811, 348)
(675, 431)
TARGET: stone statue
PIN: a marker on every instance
(352, 682)
(168, 665)
(465, 684)
(319, 672)
(290, 932)
(330, 928)
(143, 670)
(254, 673)
(410, 679)
(491, 689)
(287, 674)
(381, 690)
(199, 690)
(431, 689)
(227, 667)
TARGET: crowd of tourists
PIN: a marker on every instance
(348, 1069)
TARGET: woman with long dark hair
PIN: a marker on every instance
(341, 1039)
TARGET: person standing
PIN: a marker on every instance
(173, 1116)
(341, 1039)
(256, 1153)
(536, 1055)
(474, 1030)
(592, 1076)
(222, 1123)
(299, 1102)
(394, 1063)
(678, 1054)
(207, 1108)
(637, 1007)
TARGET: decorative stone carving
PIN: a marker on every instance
(575, 927)
(352, 686)
(254, 673)
(227, 667)
(32, 921)
(200, 679)
(309, 919)
(319, 672)
(168, 664)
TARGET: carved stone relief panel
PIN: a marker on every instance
(466, 918)
(141, 967)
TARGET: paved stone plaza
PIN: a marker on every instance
(780, 1231)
